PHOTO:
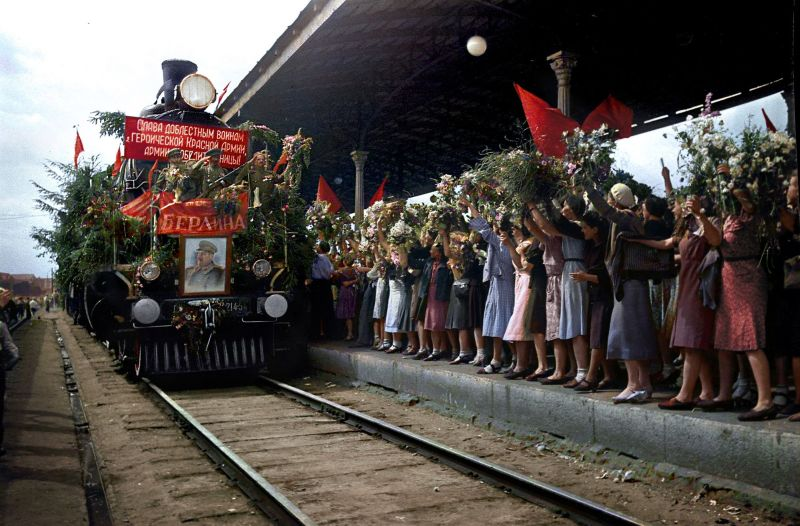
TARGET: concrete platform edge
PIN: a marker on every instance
(742, 457)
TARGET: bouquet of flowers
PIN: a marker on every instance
(402, 234)
(342, 227)
(227, 202)
(524, 175)
(319, 219)
(762, 164)
(484, 189)
(705, 145)
(589, 155)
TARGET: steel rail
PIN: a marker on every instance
(576, 508)
(276, 506)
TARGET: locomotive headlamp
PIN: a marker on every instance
(146, 311)
(262, 268)
(149, 271)
(276, 306)
(197, 91)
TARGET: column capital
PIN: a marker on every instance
(562, 63)
(359, 156)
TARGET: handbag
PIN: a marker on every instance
(710, 278)
(642, 262)
(461, 288)
(791, 273)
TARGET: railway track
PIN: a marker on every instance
(329, 464)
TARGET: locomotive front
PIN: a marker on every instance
(218, 282)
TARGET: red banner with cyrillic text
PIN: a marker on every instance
(150, 140)
(199, 216)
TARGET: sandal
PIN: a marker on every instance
(489, 369)
(393, 349)
(410, 351)
(541, 374)
(513, 375)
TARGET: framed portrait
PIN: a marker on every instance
(205, 265)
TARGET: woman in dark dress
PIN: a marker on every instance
(601, 300)
(632, 336)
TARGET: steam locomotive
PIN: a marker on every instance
(152, 326)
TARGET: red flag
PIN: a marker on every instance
(326, 193)
(284, 159)
(78, 147)
(150, 175)
(139, 207)
(613, 113)
(378, 193)
(117, 164)
(547, 124)
(771, 127)
(224, 91)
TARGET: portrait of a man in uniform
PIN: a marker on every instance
(205, 266)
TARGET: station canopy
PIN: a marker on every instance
(394, 78)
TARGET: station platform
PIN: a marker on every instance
(748, 456)
(40, 475)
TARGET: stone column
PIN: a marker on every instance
(359, 159)
(562, 63)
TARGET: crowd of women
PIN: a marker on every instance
(547, 285)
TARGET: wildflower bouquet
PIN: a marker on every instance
(762, 164)
(705, 145)
(319, 219)
(484, 189)
(401, 234)
(589, 155)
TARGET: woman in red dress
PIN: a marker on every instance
(741, 315)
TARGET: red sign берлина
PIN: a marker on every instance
(150, 140)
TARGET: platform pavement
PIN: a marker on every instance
(40, 476)
(761, 454)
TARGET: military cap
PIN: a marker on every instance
(175, 151)
(214, 152)
(207, 246)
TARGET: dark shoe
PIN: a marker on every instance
(410, 351)
(422, 354)
(542, 374)
(764, 414)
(715, 405)
(676, 405)
(513, 375)
(463, 359)
(554, 381)
(393, 349)
(507, 368)
(571, 384)
(585, 386)
(789, 410)
(434, 357)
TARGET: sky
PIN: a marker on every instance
(60, 61)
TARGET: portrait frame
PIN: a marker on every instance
(221, 261)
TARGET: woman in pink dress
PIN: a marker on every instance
(741, 315)
(518, 331)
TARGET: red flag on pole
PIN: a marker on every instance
(326, 193)
(117, 164)
(771, 127)
(378, 195)
(78, 147)
(150, 175)
(547, 124)
(612, 113)
(224, 91)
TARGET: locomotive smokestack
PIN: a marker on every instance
(174, 71)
